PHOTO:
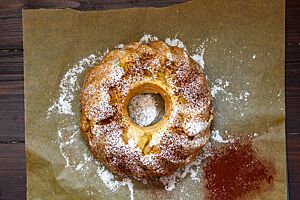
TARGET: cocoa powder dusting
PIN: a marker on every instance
(234, 171)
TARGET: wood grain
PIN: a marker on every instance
(293, 149)
(292, 22)
(11, 96)
(12, 155)
(12, 171)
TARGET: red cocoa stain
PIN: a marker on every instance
(234, 171)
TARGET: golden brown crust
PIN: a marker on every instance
(158, 150)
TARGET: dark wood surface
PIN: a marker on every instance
(12, 155)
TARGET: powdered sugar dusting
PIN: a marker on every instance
(194, 127)
(193, 169)
(97, 106)
(220, 87)
(218, 138)
(69, 85)
(198, 56)
(143, 109)
(199, 59)
(69, 137)
(109, 180)
(119, 46)
(148, 38)
(175, 42)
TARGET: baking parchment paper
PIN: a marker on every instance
(244, 45)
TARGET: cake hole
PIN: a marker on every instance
(146, 109)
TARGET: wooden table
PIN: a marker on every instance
(12, 155)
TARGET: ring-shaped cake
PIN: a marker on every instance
(160, 149)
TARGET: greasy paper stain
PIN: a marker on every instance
(235, 170)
